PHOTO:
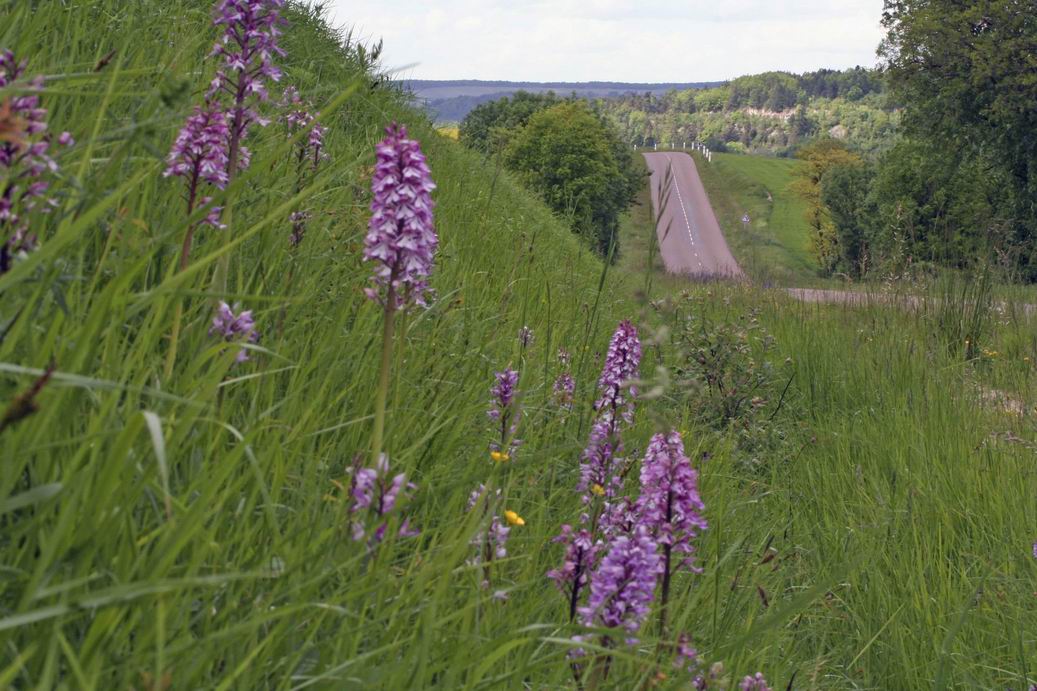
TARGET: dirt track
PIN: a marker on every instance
(690, 240)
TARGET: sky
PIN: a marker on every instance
(613, 40)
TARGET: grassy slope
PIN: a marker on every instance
(249, 452)
(776, 246)
(902, 527)
(895, 500)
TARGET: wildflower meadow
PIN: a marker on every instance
(296, 392)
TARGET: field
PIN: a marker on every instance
(448, 131)
(775, 248)
(175, 516)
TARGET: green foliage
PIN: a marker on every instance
(844, 193)
(931, 206)
(816, 160)
(488, 127)
(769, 113)
(730, 381)
(566, 153)
(967, 72)
(590, 186)
(776, 91)
(852, 84)
(190, 531)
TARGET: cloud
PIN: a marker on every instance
(620, 40)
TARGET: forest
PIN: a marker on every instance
(958, 186)
(771, 113)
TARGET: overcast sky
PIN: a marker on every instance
(614, 40)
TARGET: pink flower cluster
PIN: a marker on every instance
(623, 585)
(232, 328)
(208, 147)
(199, 155)
(504, 410)
(401, 237)
(373, 496)
(25, 161)
(622, 363)
(298, 117)
(248, 46)
(669, 504)
(491, 543)
(624, 547)
(564, 388)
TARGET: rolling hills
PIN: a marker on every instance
(449, 101)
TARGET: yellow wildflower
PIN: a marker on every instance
(513, 518)
(499, 456)
(597, 490)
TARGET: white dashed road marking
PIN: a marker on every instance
(680, 198)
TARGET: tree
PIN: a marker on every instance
(801, 123)
(570, 157)
(844, 194)
(931, 204)
(817, 159)
(966, 71)
(486, 127)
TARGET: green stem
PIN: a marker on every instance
(223, 263)
(666, 571)
(665, 594)
(185, 254)
(599, 671)
(383, 375)
(174, 339)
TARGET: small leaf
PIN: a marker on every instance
(33, 496)
(158, 441)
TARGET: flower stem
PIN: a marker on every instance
(237, 127)
(599, 672)
(574, 596)
(667, 550)
(185, 254)
(382, 393)
(665, 599)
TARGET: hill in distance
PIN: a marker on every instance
(451, 100)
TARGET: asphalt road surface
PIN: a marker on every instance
(690, 240)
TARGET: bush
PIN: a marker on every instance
(569, 157)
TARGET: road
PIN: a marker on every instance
(690, 240)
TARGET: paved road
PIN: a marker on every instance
(690, 240)
(910, 302)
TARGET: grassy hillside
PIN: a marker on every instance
(850, 500)
(870, 506)
(775, 247)
(189, 525)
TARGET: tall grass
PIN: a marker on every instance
(188, 531)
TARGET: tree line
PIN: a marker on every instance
(959, 185)
(771, 113)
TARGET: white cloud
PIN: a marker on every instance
(614, 40)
